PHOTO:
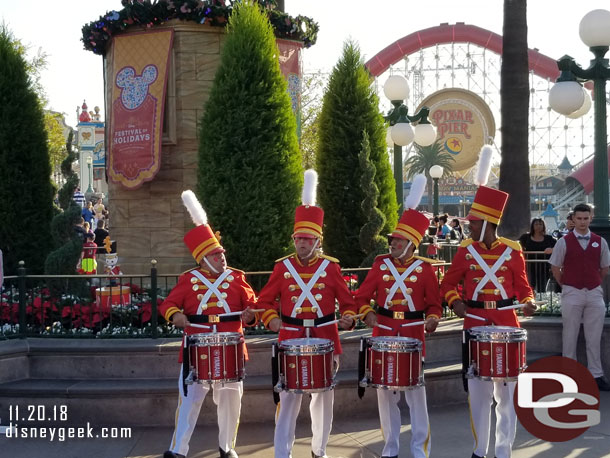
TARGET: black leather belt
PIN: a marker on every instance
(198, 319)
(400, 315)
(308, 323)
(491, 304)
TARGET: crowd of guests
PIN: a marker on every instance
(93, 229)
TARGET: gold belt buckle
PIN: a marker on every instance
(399, 315)
(213, 319)
(489, 305)
(309, 323)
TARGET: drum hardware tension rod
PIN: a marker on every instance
(415, 323)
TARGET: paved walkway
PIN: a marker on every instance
(355, 438)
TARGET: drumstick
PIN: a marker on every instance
(288, 328)
(384, 327)
(470, 315)
(415, 323)
(199, 326)
(240, 312)
(327, 324)
(512, 307)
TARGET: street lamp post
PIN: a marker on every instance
(89, 174)
(463, 203)
(396, 88)
(569, 98)
(436, 171)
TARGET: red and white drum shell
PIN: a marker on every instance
(306, 365)
(395, 362)
(217, 357)
(497, 353)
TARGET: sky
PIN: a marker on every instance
(73, 74)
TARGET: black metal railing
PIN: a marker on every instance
(102, 306)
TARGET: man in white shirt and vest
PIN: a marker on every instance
(579, 262)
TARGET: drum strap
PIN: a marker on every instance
(198, 319)
(306, 288)
(312, 323)
(186, 364)
(407, 315)
(490, 272)
(212, 289)
(399, 281)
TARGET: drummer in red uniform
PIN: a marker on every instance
(493, 271)
(207, 296)
(307, 284)
(405, 289)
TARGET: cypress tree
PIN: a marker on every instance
(370, 241)
(26, 192)
(249, 175)
(70, 244)
(350, 108)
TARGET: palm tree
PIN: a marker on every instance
(425, 157)
(514, 93)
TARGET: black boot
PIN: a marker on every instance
(313, 455)
(170, 454)
(476, 456)
(230, 454)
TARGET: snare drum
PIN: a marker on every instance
(394, 363)
(216, 357)
(306, 365)
(497, 352)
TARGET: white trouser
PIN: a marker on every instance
(389, 415)
(481, 394)
(587, 306)
(321, 411)
(228, 405)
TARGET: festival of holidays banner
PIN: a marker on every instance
(290, 64)
(139, 80)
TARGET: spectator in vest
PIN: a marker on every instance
(579, 262)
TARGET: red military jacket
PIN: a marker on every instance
(421, 286)
(329, 288)
(187, 295)
(511, 275)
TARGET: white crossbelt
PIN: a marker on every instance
(490, 273)
(306, 288)
(399, 282)
(212, 289)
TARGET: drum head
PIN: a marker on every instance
(498, 334)
(216, 338)
(395, 343)
(311, 345)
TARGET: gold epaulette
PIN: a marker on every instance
(511, 243)
(466, 242)
(285, 257)
(189, 270)
(428, 260)
(236, 270)
(330, 258)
